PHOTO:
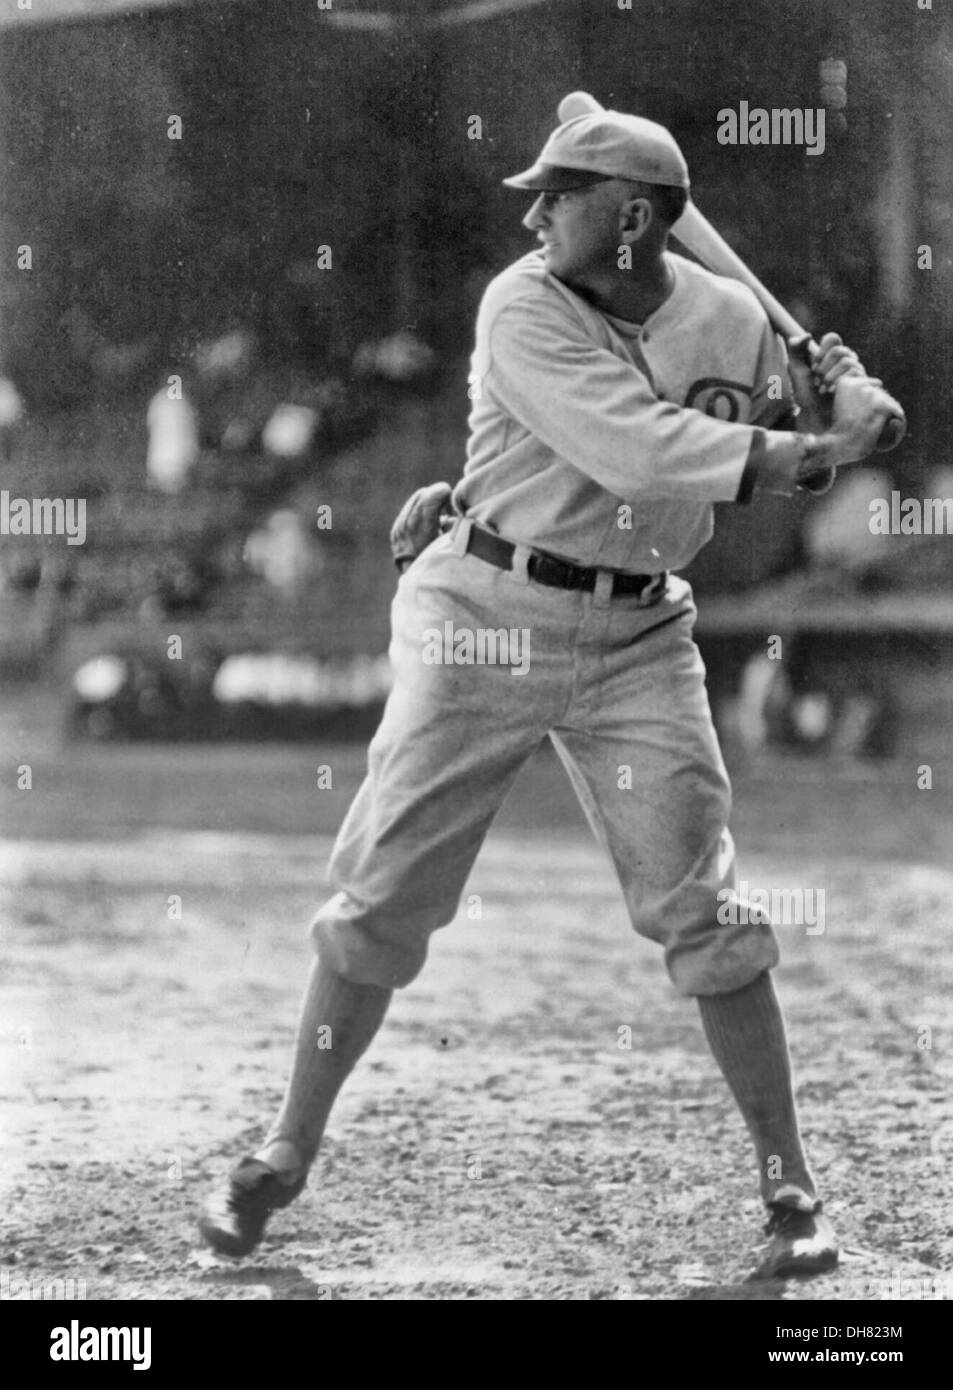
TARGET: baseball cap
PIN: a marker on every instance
(604, 145)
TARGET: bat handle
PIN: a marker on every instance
(892, 434)
(895, 427)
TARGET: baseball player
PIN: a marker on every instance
(618, 391)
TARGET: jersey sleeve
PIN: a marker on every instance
(601, 413)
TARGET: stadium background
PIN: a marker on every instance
(348, 128)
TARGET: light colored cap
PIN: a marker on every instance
(600, 145)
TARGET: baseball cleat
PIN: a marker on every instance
(803, 1242)
(234, 1217)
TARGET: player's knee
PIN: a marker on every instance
(350, 940)
(720, 961)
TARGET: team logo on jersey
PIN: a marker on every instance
(725, 400)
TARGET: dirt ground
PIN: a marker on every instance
(497, 1142)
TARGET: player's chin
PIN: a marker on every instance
(555, 262)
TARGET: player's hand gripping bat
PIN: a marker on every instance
(696, 233)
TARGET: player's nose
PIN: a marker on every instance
(537, 216)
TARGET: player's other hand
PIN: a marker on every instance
(861, 409)
(832, 361)
(418, 522)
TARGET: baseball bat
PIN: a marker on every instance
(697, 234)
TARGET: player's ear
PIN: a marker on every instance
(636, 216)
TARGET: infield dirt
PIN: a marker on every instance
(500, 1140)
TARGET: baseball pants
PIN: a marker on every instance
(617, 684)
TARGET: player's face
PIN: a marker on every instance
(578, 230)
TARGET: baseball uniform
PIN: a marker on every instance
(606, 444)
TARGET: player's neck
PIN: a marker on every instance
(632, 294)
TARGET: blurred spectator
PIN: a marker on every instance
(289, 431)
(173, 441)
(401, 358)
(11, 412)
(284, 552)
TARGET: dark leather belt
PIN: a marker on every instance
(548, 569)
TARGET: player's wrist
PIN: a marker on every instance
(781, 461)
(775, 460)
(816, 453)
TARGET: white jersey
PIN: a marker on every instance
(608, 442)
